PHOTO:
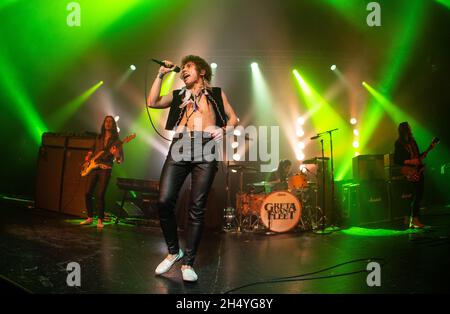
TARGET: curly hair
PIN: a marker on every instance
(200, 64)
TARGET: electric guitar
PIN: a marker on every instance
(92, 163)
(414, 173)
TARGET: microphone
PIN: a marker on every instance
(315, 137)
(161, 63)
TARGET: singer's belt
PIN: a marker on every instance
(193, 134)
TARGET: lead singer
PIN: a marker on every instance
(198, 113)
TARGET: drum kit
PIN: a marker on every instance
(266, 207)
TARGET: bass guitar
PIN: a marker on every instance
(93, 163)
(414, 173)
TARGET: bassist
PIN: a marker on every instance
(407, 154)
(108, 142)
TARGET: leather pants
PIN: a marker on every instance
(173, 176)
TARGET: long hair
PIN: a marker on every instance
(114, 132)
(200, 64)
(404, 133)
(283, 163)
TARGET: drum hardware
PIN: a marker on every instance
(229, 217)
(241, 169)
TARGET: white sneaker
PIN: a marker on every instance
(166, 264)
(189, 274)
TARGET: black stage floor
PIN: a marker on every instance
(37, 245)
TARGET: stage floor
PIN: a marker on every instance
(37, 245)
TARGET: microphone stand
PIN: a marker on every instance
(322, 231)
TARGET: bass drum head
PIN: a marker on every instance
(280, 211)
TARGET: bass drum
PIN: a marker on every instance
(280, 211)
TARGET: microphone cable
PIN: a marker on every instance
(146, 103)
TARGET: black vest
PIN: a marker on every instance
(175, 109)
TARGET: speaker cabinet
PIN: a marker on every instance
(365, 203)
(49, 178)
(74, 185)
(400, 198)
(59, 186)
(368, 167)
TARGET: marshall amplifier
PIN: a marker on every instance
(400, 198)
(368, 167)
(364, 203)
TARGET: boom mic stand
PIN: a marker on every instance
(322, 231)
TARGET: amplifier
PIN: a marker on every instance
(83, 142)
(368, 167)
(54, 139)
(393, 173)
(400, 198)
(364, 203)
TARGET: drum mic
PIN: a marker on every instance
(315, 137)
(161, 63)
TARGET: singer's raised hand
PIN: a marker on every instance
(164, 70)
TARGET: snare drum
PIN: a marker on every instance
(297, 181)
(280, 211)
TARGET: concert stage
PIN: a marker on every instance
(37, 245)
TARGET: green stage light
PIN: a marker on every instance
(365, 232)
(60, 117)
(323, 115)
(445, 3)
(20, 103)
(261, 96)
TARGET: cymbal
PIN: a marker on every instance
(315, 160)
(262, 183)
(242, 168)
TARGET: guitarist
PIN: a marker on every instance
(108, 141)
(407, 153)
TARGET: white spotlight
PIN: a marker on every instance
(353, 121)
(301, 145)
(300, 121)
(300, 132)
(237, 132)
(355, 132)
(234, 144)
(355, 144)
(333, 67)
(132, 67)
(213, 65)
(236, 157)
(300, 156)
(117, 118)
